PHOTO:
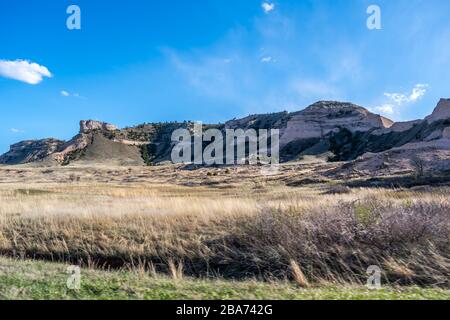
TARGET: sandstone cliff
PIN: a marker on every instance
(328, 130)
(30, 151)
(87, 126)
(441, 112)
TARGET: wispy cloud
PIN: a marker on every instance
(250, 84)
(65, 93)
(417, 93)
(23, 70)
(396, 100)
(268, 6)
(311, 88)
(267, 59)
(14, 130)
(211, 76)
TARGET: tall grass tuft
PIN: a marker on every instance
(176, 271)
(298, 275)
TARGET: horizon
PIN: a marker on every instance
(176, 61)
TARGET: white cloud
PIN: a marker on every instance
(397, 100)
(267, 59)
(267, 6)
(14, 130)
(417, 93)
(23, 70)
(65, 93)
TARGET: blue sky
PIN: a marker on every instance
(145, 60)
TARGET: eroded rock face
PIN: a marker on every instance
(441, 112)
(71, 148)
(87, 126)
(324, 117)
(316, 121)
(434, 154)
(30, 151)
(336, 131)
(446, 133)
(398, 127)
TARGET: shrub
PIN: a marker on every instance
(410, 243)
(340, 243)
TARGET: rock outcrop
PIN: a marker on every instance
(72, 150)
(324, 117)
(434, 156)
(87, 126)
(441, 112)
(30, 151)
(446, 133)
(398, 127)
(327, 130)
(76, 148)
(316, 121)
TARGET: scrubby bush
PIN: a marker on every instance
(409, 241)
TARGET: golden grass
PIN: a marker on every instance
(298, 275)
(151, 218)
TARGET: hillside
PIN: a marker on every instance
(324, 131)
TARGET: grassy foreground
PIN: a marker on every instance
(42, 280)
(239, 231)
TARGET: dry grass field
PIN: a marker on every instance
(231, 224)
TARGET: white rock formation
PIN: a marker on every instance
(324, 117)
(87, 126)
(442, 111)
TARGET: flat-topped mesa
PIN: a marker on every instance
(87, 126)
(441, 112)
